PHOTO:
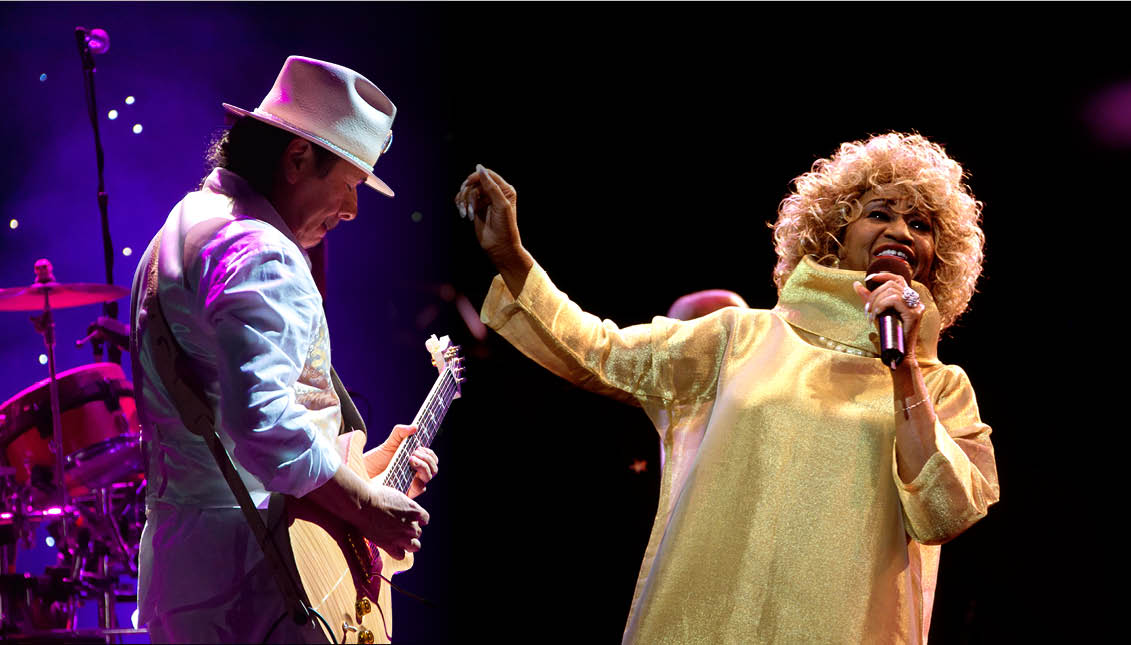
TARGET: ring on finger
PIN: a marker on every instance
(910, 297)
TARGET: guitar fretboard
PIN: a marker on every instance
(427, 422)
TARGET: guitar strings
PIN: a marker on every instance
(403, 476)
(447, 388)
(402, 473)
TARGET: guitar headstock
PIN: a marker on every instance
(445, 356)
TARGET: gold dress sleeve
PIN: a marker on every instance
(959, 482)
(662, 361)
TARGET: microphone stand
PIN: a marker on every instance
(110, 308)
(107, 599)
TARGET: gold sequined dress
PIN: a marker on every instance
(781, 518)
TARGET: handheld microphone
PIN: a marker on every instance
(891, 325)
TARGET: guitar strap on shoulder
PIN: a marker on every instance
(351, 418)
(182, 385)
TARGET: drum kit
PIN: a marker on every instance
(70, 465)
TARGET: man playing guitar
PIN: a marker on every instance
(231, 276)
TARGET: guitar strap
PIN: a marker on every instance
(183, 387)
(351, 418)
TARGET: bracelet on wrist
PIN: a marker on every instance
(915, 405)
(907, 410)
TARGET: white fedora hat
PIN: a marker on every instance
(333, 106)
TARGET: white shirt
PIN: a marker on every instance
(237, 291)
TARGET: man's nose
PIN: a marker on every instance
(348, 209)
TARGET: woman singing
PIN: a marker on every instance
(807, 484)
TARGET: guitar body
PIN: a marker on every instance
(335, 565)
(340, 572)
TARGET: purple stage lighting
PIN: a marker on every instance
(1108, 115)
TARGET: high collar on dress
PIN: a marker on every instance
(248, 202)
(821, 301)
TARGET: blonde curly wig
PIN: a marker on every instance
(812, 218)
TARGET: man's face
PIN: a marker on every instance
(316, 203)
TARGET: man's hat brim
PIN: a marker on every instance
(371, 180)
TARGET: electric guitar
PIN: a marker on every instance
(340, 571)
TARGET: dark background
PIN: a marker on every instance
(650, 145)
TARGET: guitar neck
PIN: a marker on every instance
(399, 474)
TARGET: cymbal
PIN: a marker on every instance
(61, 295)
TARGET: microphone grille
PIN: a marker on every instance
(99, 41)
(888, 264)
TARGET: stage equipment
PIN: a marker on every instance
(91, 42)
(73, 466)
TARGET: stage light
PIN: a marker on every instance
(43, 359)
(42, 77)
(112, 114)
(137, 128)
(416, 216)
(129, 100)
(127, 251)
(13, 223)
(50, 541)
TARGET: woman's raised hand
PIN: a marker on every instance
(491, 204)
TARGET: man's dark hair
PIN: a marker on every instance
(252, 148)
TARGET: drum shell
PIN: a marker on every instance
(96, 405)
